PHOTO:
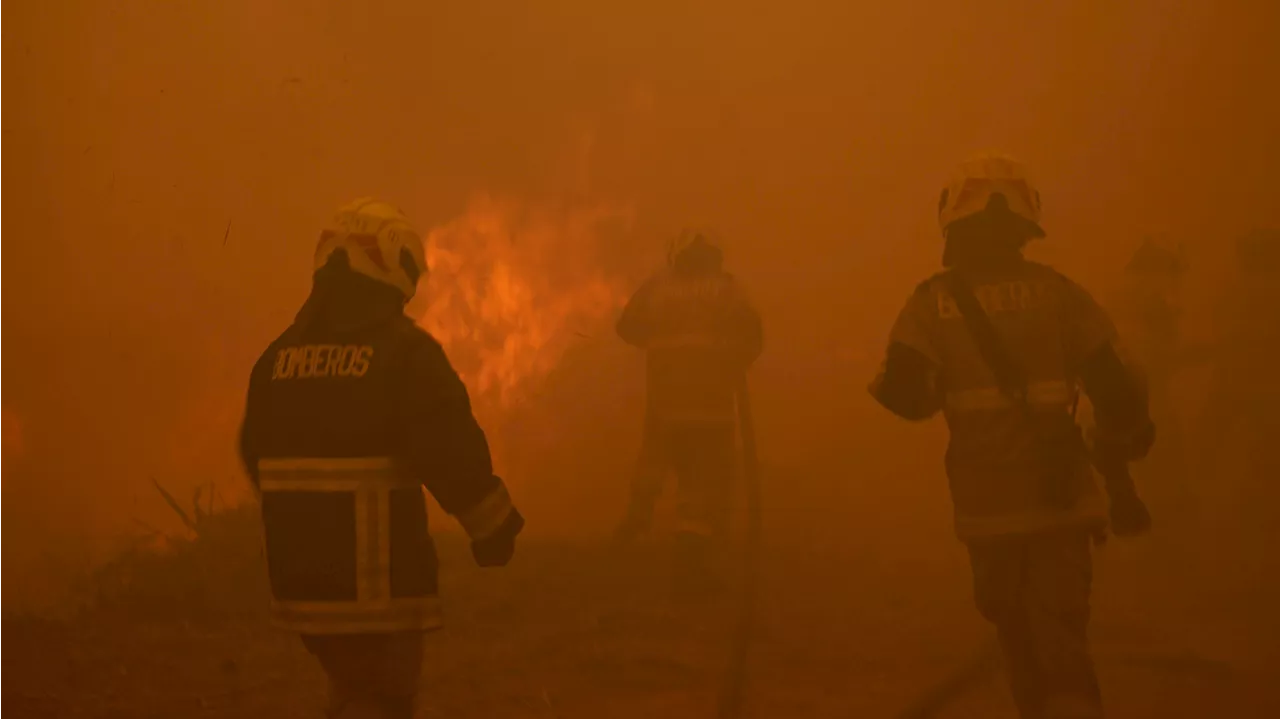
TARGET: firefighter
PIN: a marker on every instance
(1151, 313)
(350, 413)
(1246, 389)
(998, 343)
(700, 334)
(1153, 310)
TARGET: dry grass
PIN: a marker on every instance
(855, 627)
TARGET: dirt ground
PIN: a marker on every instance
(570, 630)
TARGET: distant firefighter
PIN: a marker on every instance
(1153, 305)
(350, 413)
(998, 344)
(700, 334)
(1246, 386)
(1150, 313)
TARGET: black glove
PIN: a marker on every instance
(496, 549)
(1129, 515)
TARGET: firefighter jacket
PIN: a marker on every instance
(350, 413)
(699, 333)
(1057, 333)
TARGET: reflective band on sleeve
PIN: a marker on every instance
(488, 515)
(1051, 393)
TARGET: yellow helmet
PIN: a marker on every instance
(688, 238)
(379, 242)
(979, 180)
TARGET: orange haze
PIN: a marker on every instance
(169, 165)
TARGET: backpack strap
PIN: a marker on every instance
(1009, 376)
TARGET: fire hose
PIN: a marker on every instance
(734, 687)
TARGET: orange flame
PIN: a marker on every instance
(511, 288)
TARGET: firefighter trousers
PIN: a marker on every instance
(1035, 590)
(371, 676)
(703, 458)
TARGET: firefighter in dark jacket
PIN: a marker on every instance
(350, 413)
(700, 334)
(1026, 502)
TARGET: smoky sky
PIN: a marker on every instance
(168, 166)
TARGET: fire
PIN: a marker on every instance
(511, 288)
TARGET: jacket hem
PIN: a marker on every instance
(968, 530)
(313, 617)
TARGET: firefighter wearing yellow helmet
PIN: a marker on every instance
(700, 333)
(350, 413)
(998, 344)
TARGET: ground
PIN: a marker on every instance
(858, 629)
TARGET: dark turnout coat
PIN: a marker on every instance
(351, 412)
(700, 332)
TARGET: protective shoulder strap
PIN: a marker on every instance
(1010, 377)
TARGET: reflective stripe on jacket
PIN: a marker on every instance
(372, 484)
(350, 413)
(996, 457)
(700, 333)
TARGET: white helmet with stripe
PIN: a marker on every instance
(379, 241)
(979, 181)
